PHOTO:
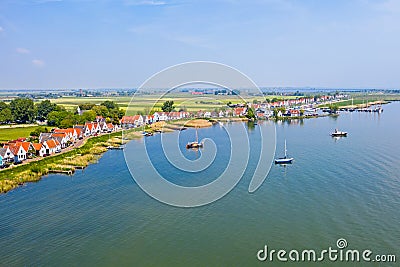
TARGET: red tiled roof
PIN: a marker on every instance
(78, 131)
(14, 149)
(37, 146)
(26, 145)
(51, 143)
(62, 135)
(239, 111)
(130, 119)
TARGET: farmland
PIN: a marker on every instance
(10, 133)
(144, 103)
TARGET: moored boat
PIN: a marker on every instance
(195, 144)
(338, 133)
(285, 159)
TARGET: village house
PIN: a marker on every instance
(100, 119)
(44, 136)
(207, 114)
(156, 117)
(103, 126)
(149, 119)
(174, 115)
(62, 138)
(163, 116)
(294, 113)
(92, 128)
(18, 152)
(40, 149)
(111, 127)
(132, 121)
(240, 111)
(6, 155)
(96, 128)
(52, 146)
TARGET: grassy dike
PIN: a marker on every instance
(67, 162)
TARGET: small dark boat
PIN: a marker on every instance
(115, 147)
(338, 133)
(194, 145)
(285, 159)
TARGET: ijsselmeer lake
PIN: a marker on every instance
(336, 188)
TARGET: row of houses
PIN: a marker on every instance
(293, 107)
(139, 120)
(16, 151)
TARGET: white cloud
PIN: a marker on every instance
(38, 63)
(21, 50)
(1, 29)
(145, 3)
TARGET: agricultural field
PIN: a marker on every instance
(145, 103)
(11, 133)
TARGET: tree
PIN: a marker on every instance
(5, 116)
(276, 111)
(67, 123)
(44, 108)
(54, 118)
(110, 104)
(101, 111)
(334, 108)
(115, 115)
(89, 115)
(3, 105)
(86, 106)
(168, 106)
(23, 110)
(250, 113)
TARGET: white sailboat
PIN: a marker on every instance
(195, 144)
(285, 159)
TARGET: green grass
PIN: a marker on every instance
(7, 134)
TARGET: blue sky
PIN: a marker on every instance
(120, 43)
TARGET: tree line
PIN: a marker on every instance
(24, 110)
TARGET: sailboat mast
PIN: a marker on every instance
(285, 148)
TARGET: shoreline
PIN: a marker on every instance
(67, 162)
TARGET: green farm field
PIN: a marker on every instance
(11, 133)
(145, 103)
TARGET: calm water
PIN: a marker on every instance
(347, 188)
